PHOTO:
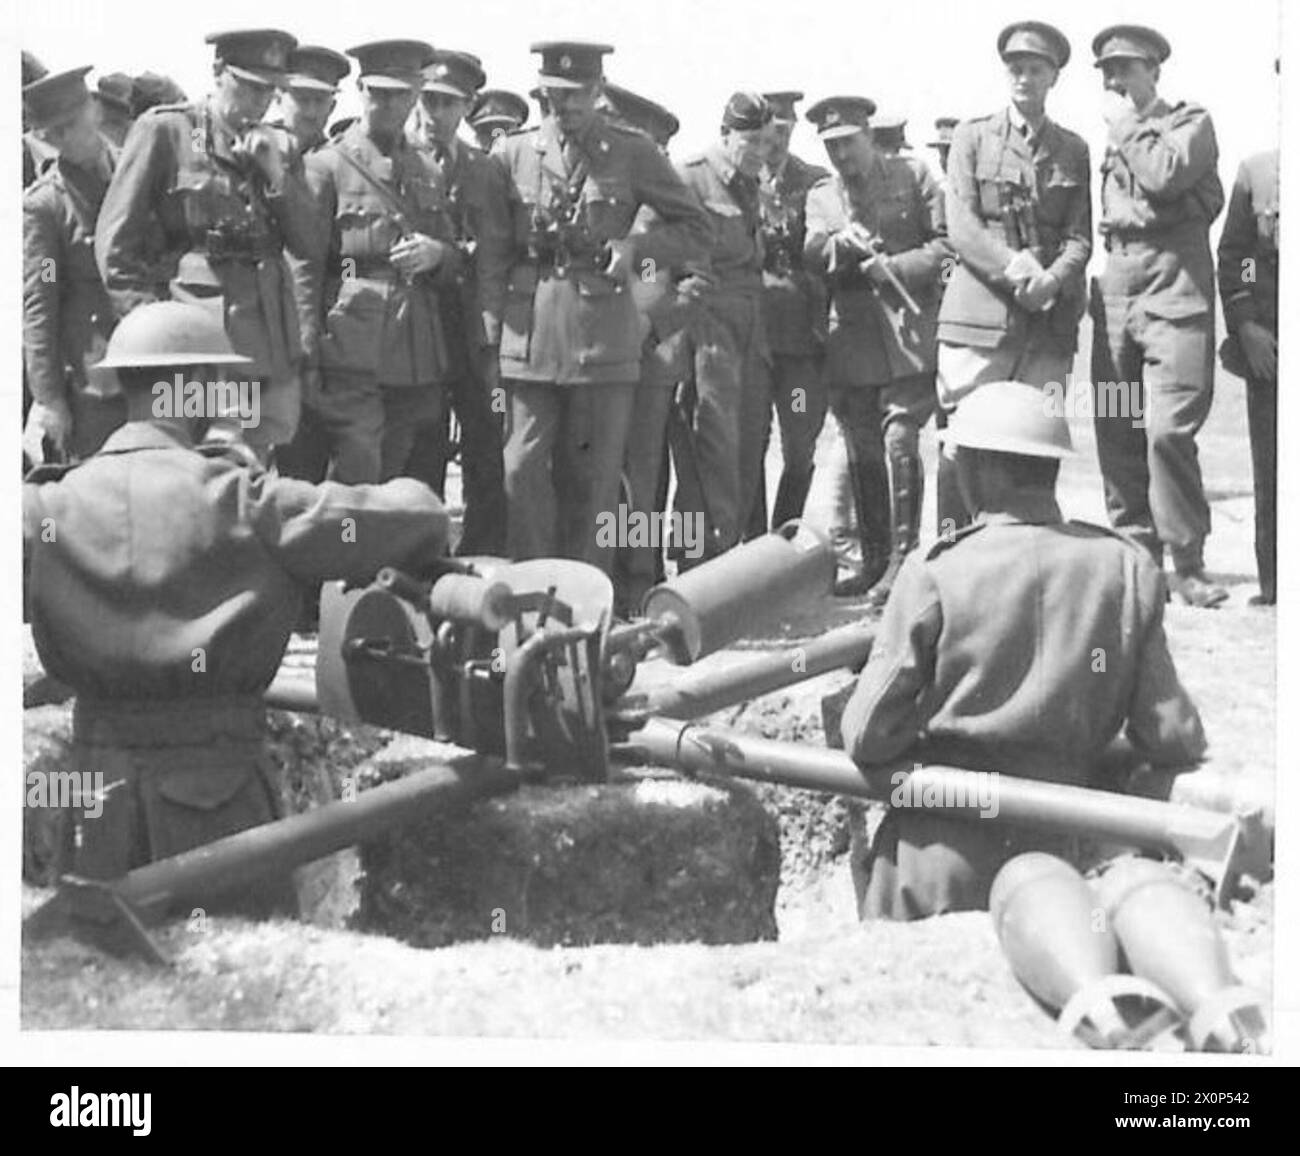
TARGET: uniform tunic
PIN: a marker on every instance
(986, 335)
(188, 218)
(1153, 324)
(164, 584)
(67, 316)
(1023, 647)
(1248, 262)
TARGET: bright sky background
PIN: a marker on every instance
(919, 59)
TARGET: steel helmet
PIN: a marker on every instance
(1011, 417)
(170, 333)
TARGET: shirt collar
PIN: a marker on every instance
(1018, 121)
(1026, 510)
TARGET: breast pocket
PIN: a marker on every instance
(1056, 195)
(609, 207)
(206, 200)
(363, 230)
(991, 175)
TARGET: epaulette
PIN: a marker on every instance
(1108, 532)
(49, 472)
(948, 541)
(159, 109)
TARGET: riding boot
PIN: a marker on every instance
(870, 480)
(907, 485)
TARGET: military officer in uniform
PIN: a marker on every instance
(726, 347)
(570, 341)
(113, 95)
(876, 232)
(310, 92)
(1248, 263)
(203, 204)
(942, 143)
(371, 304)
(889, 134)
(1153, 308)
(1020, 220)
(794, 314)
(67, 316)
(479, 202)
(985, 659)
(163, 588)
(150, 89)
(646, 460)
(35, 154)
(496, 113)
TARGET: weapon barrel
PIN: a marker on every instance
(292, 692)
(1215, 843)
(701, 692)
(196, 877)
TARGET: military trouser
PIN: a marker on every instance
(1036, 359)
(307, 457)
(563, 458)
(1153, 384)
(1261, 415)
(482, 467)
(373, 428)
(175, 774)
(800, 398)
(645, 468)
(881, 430)
(730, 411)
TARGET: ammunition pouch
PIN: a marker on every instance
(223, 243)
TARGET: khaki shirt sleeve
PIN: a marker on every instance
(494, 251)
(823, 218)
(884, 716)
(679, 232)
(1168, 156)
(1076, 234)
(127, 217)
(294, 209)
(309, 271)
(1164, 725)
(42, 256)
(922, 266)
(327, 531)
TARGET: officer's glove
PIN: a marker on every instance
(1022, 268)
(1039, 293)
(48, 432)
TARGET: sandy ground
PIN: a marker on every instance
(828, 979)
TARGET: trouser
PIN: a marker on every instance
(800, 398)
(1033, 357)
(645, 468)
(94, 417)
(482, 469)
(307, 457)
(881, 428)
(563, 457)
(176, 774)
(729, 413)
(1261, 415)
(1153, 383)
(372, 428)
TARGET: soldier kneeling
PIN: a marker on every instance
(164, 585)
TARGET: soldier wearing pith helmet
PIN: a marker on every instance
(1020, 221)
(570, 342)
(1153, 307)
(204, 203)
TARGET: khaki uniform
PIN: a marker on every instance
(478, 200)
(1153, 325)
(185, 217)
(163, 588)
(378, 338)
(571, 339)
(67, 316)
(879, 356)
(987, 652)
(726, 349)
(794, 319)
(985, 335)
(1248, 266)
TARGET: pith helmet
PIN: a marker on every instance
(1011, 417)
(170, 333)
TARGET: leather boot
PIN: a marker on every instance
(908, 482)
(870, 481)
(791, 494)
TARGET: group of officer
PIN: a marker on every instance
(582, 305)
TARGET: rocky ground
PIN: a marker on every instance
(826, 978)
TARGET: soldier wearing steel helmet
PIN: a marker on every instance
(202, 207)
(1153, 308)
(987, 657)
(163, 586)
(1020, 221)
